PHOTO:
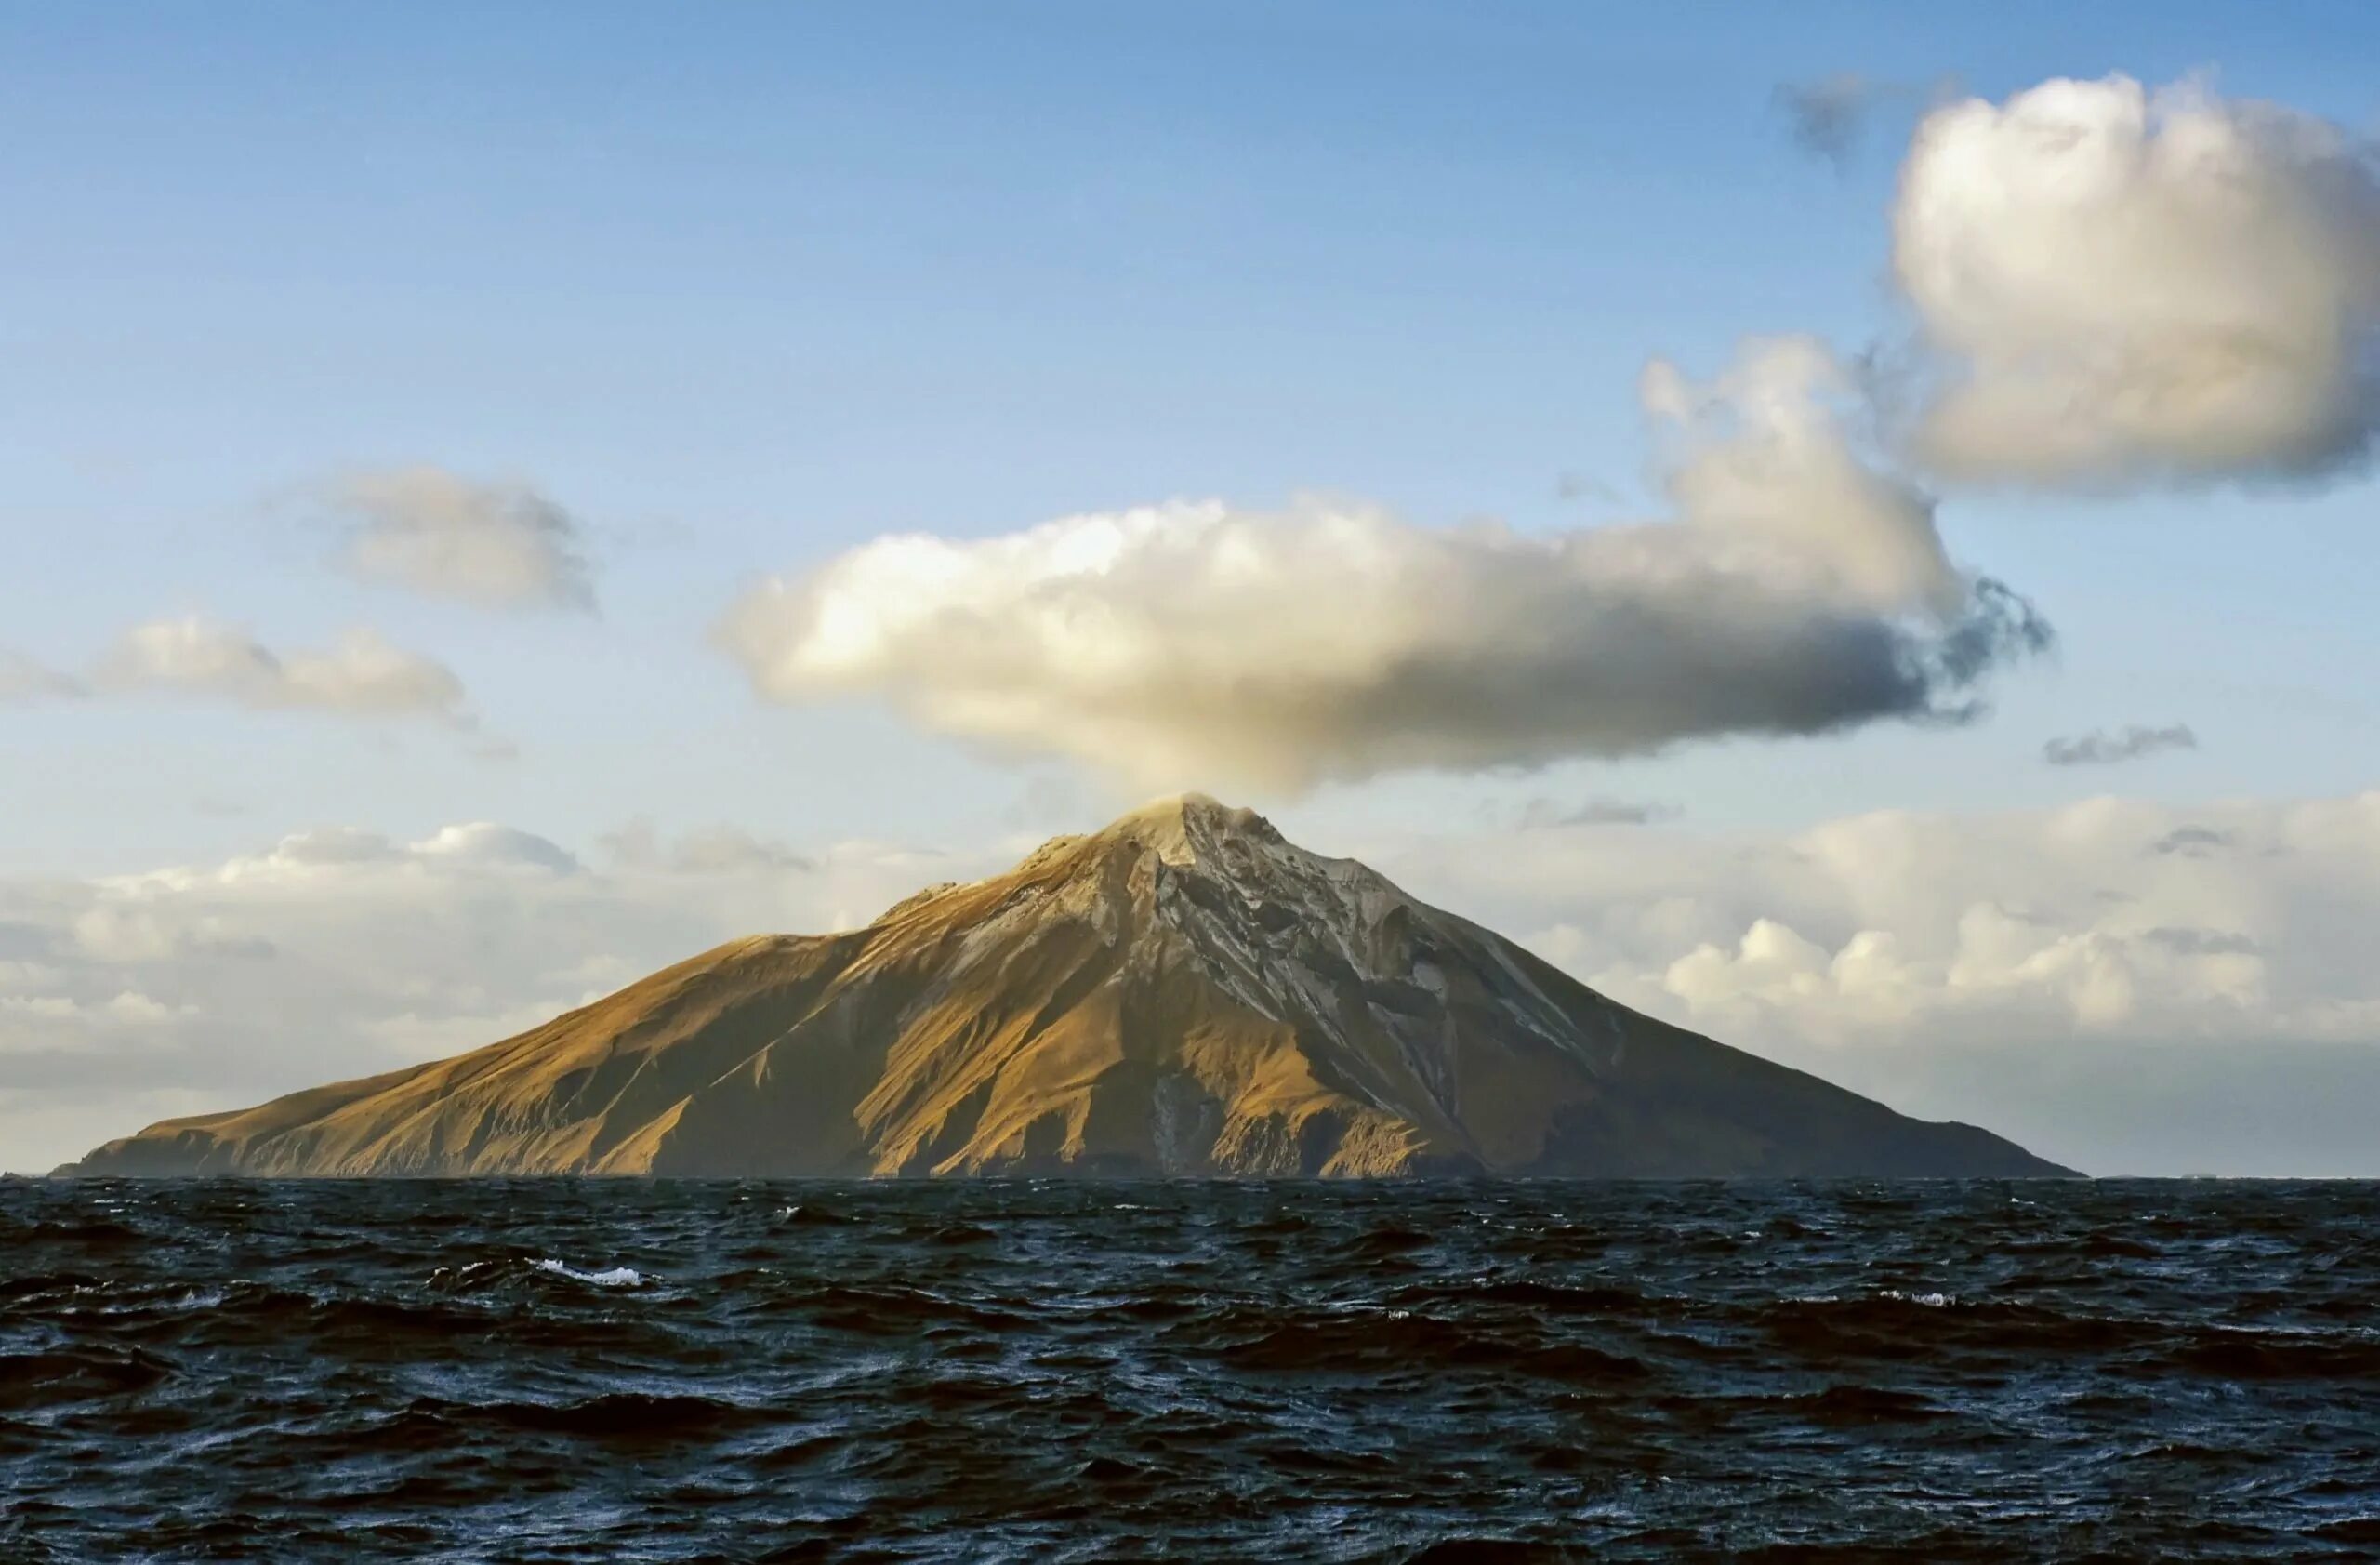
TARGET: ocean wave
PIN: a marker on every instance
(590, 1371)
(610, 1277)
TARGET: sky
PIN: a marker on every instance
(1849, 528)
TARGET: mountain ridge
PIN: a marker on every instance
(1183, 992)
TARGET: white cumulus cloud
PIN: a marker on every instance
(1762, 453)
(2128, 286)
(361, 673)
(2109, 918)
(1796, 591)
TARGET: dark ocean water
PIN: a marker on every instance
(567, 1371)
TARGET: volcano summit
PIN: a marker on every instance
(1184, 992)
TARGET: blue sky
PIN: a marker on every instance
(745, 287)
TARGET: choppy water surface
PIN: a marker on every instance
(566, 1371)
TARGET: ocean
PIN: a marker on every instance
(617, 1370)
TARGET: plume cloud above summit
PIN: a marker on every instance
(1796, 590)
(2129, 287)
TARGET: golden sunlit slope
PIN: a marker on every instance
(1184, 992)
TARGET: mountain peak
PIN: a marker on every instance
(1181, 991)
(1186, 827)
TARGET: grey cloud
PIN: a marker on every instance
(2001, 625)
(2184, 941)
(1540, 815)
(20, 939)
(1585, 486)
(498, 545)
(2105, 747)
(1826, 117)
(2191, 841)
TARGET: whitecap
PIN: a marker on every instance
(617, 1276)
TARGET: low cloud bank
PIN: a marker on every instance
(338, 952)
(2113, 920)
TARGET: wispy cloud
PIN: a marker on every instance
(1540, 815)
(2191, 841)
(2107, 747)
(2203, 942)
